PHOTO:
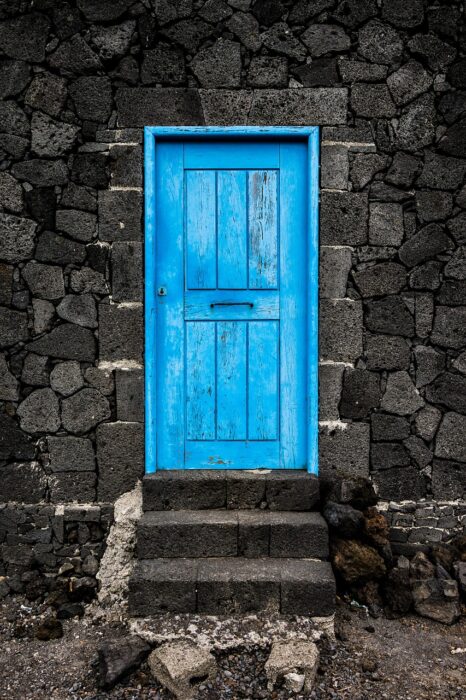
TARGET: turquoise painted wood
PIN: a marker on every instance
(231, 330)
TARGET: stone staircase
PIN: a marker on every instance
(231, 542)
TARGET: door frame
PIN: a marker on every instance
(311, 135)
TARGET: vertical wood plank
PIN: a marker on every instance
(293, 315)
(169, 336)
(231, 380)
(201, 235)
(263, 229)
(263, 380)
(232, 230)
(200, 380)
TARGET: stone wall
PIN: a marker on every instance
(78, 81)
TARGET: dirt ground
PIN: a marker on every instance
(371, 659)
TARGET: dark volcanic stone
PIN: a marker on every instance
(386, 352)
(426, 276)
(386, 455)
(380, 43)
(120, 333)
(403, 13)
(51, 138)
(416, 126)
(361, 393)
(352, 13)
(77, 224)
(453, 142)
(403, 170)
(13, 327)
(12, 119)
(47, 92)
(246, 29)
(41, 203)
(84, 410)
(14, 444)
(450, 327)
(390, 315)
(372, 100)
(170, 10)
(25, 37)
(68, 342)
(163, 64)
(325, 38)
(437, 54)
(441, 172)
(408, 82)
(103, 10)
(427, 243)
(268, 11)
(322, 72)
(42, 172)
(343, 519)
(219, 65)
(400, 484)
(448, 479)
(23, 483)
(75, 56)
(90, 169)
(381, 279)
(190, 33)
(54, 248)
(14, 76)
(50, 628)
(114, 41)
(344, 217)
(268, 71)
(92, 97)
(120, 458)
(138, 107)
(452, 293)
(16, 238)
(119, 658)
(281, 39)
(457, 74)
(450, 442)
(448, 390)
(386, 428)
(433, 205)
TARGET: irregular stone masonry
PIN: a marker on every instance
(384, 80)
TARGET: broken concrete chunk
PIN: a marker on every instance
(292, 658)
(181, 666)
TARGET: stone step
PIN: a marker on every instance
(232, 585)
(230, 533)
(277, 489)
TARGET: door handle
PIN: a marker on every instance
(232, 303)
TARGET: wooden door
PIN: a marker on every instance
(231, 312)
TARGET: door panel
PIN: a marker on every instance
(232, 315)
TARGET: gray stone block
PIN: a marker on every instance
(344, 452)
(390, 316)
(167, 106)
(380, 43)
(298, 535)
(386, 428)
(298, 491)
(372, 100)
(427, 421)
(226, 107)
(280, 39)
(120, 458)
(363, 168)
(35, 370)
(237, 586)
(408, 82)
(51, 138)
(72, 487)
(325, 38)
(245, 490)
(387, 455)
(451, 438)
(53, 248)
(305, 106)
(253, 534)
(441, 172)
(399, 484)
(450, 327)
(166, 585)
(359, 71)
(88, 280)
(71, 454)
(343, 218)
(9, 386)
(182, 490)
(163, 64)
(92, 97)
(340, 330)
(120, 332)
(448, 390)
(307, 588)
(47, 92)
(101, 379)
(187, 533)
(330, 386)
(334, 167)
(334, 267)
(127, 271)
(361, 393)
(11, 193)
(126, 166)
(25, 37)
(130, 395)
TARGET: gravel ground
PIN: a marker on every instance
(407, 659)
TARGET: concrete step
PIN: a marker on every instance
(232, 585)
(231, 533)
(277, 489)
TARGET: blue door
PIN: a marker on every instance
(231, 311)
